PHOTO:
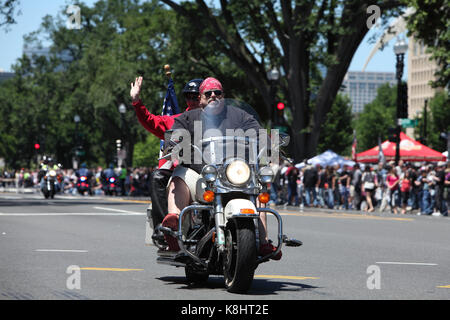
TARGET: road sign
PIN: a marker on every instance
(409, 123)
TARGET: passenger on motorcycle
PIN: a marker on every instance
(183, 185)
(158, 125)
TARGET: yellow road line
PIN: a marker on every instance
(342, 215)
(261, 276)
(110, 269)
(445, 287)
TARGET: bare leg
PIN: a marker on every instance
(178, 197)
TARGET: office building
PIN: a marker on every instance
(421, 71)
(361, 87)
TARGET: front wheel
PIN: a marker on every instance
(240, 255)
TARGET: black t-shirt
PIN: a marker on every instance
(310, 178)
(441, 175)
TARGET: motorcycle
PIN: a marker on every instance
(111, 186)
(49, 186)
(219, 233)
(83, 185)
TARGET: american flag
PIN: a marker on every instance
(170, 105)
(354, 147)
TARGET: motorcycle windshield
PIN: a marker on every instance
(229, 129)
(224, 129)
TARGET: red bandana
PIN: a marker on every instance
(210, 84)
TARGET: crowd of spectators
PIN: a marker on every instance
(134, 181)
(420, 188)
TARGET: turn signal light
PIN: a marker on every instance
(247, 211)
(208, 196)
(264, 197)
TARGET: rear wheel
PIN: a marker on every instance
(240, 255)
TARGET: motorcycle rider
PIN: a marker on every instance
(85, 172)
(46, 165)
(106, 175)
(158, 125)
(182, 187)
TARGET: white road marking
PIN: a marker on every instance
(118, 210)
(27, 214)
(59, 250)
(409, 263)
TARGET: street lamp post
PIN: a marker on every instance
(77, 120)
(400, 48)
(120, 152)
(273, 76)
(424, 141)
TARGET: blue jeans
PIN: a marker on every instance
(292, 192)
(330, 198)
(320, 199)
(427, 203)
(308, 192)
(273, 193)
(344, 196)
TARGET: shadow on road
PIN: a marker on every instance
(259, 286)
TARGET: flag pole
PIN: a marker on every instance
(167, 70)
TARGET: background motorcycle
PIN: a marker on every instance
(84, 185)
(111, 187)
(49, 187)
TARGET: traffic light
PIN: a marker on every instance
(37, 146)
(393, 135)
(280, 113)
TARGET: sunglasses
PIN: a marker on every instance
(191, 96)
(209, 93)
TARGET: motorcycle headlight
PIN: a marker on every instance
(209, 173)
(265, 175)
(238, 172)
(52, 173)
(83, 179)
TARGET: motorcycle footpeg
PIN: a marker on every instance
(291, 242)
(182, 258)
(168, 231)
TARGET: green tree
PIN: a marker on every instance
(294, 36)
(376, 118)
(89, 74)
(337, 129)
(146, 153)
(431, 24)
(438, 121)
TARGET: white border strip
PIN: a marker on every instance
(59, 250)
(409, 263)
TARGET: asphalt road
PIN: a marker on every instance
(92, 248)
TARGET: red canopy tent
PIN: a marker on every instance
(410, 150)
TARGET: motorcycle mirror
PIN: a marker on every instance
(284, 139)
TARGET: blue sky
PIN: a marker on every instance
(33, 11)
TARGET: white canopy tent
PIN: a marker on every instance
(328, 158)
